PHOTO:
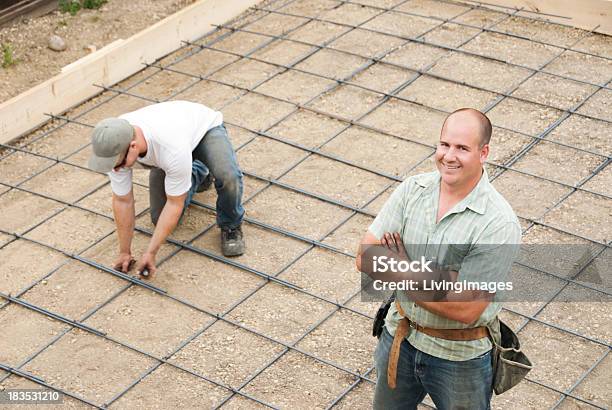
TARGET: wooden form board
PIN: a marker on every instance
(585, 14)
(112, 64)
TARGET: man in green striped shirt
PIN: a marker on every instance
(455, 218)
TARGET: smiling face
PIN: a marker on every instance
(459, 155)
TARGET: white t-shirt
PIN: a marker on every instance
(172, 130)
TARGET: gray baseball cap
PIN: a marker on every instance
(110, 140)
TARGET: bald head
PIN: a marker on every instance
(472, 119)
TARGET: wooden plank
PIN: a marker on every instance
(112, 64)
(26, 8)
(5, 4)
(585, 14)
(93, 56)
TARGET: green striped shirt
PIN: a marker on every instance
(473, 238)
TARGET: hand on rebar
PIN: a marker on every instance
(124, 262)
(146, 263)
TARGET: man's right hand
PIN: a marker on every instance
(124, 262)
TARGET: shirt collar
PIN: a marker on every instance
(476, 200)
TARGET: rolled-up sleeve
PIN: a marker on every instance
(391, 216)
(178, 174)
(121, 181)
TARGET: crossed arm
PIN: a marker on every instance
(465, 307)
(124, 212)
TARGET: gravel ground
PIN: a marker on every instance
(217, 325)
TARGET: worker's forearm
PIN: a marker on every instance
(166, 223)
(465, 306)
(423, 278)
(124, 213)
(370, 264)
(426, 285)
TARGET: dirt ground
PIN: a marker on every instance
(28, 38)
(326, 121)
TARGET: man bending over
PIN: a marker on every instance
(185, 146)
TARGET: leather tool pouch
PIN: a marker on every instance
(510, 364)
(379, 320)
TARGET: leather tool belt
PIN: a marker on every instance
(406, 326)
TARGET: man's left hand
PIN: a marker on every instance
(147, 261)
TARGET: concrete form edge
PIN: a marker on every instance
(111, 64)
(584, 14)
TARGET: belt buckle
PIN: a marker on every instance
(412, 324)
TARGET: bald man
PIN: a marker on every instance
(436, 342)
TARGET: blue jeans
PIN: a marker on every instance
(216, 153)
(450, 384)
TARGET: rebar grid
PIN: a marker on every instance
(556, 124)
(503, 95)
(10, 371)
(382, 62)
(386, 133)
(338, 306)
(254, 90)
(289, 187)
(262, 335)
(357, 123)
(486, 29)
(356, 165)
(428, 43)
(252, 221)
(566, 112)
(312, 327)
(495, 7)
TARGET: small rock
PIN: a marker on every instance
(56, 43)
(91, 48)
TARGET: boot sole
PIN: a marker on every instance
(233, 252)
